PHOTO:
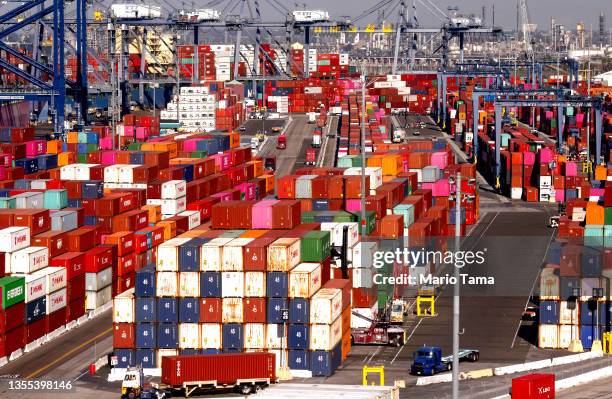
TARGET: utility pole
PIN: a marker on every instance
(456, 290)
(363, 157)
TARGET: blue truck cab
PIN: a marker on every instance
(428, 360)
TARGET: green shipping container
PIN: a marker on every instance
(343, 217)
(370, 221)
(13, 290)
(134, 147)
(307, 217)
(316, 246)
(608, 236)
(553, 123)
(232, 234)
(569, 111)
(198, 154)
(82, 158)
(608, 215)
(407, 211)
(8, 203)
(55, 199)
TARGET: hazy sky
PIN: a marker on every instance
(567, 12)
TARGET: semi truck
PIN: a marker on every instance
(186, 375)
(316, 138)
(428, 360)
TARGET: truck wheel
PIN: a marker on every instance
(245, 389)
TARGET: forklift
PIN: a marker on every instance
(381, 331)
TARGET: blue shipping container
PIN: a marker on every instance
(211, 351)
(274, 313)
(90, 220)
(587, 333)
(210, 284)
(567, 286)
(591, 263)
(145, 282)
(137, 158)
(145, 310)
(299, 311)
(145, 335)
(167, 310)
(233, 336)
(125, 358)
(324, 363)
(277, 285)
(167, 335)
(549, 312)
(22, 184)
(189, 255)
(187, 172)
(29, 165)
(190, 352)
(320, 205)
(146, 358)
(298, 337)
(299, 360)
(92, 189)
(554, 253)
(36, 310)
(189, 310)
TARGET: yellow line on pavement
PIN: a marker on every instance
(70, 352)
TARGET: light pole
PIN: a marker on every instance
(456, 303)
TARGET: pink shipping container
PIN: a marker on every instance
(35, 147)
(560, 195)
(191, 145)
(142, 133)
(128, 131)
(353, 205)
(248, 190)
(546, 155)
(571, 168)
(109, 158)
(262, 214)
(225, 369)
(106, 143)
(2, 173)
(441, 188)
(439, 159)
(529, 158)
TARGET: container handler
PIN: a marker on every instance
(380, 332)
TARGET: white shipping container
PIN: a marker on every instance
(168, 255)
(548, 336)
(126, 173)
(336, 229)
(56, 277)
(68, 172)
(173, 206)
(232, 284)
(324, 336)
(211, 255)
(255, 284)
(567, 334)
(167, 284)
(189, 336)
(161, 353)
(189, 284)
(97, 281)
(57, 300)
(27, 260)
(255, 336)
(211, 336)
(304, 280)
(123, 307)
(363, 254)
(111, 174)
(29, 200)
(326, 306)
(232, 310)
(14, 238)
(283, 254)
(273, 339)
(233, 254)
(362, 278)
(174, 189)
(566, 315)
(95, 299)
(35, 286)
(194, 218)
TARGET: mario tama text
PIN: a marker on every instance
(428, 279)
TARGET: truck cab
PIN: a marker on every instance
(428, 361)
(398, 311)
(281, 144)
(316, 138)
(399, 135)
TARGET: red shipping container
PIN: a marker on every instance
(82, 239)
(124, 265)
(255, 254)
(203, 206)
(36, 330)
(75, 309)
(211, 310)
(286, 215)
(56, 319)
(74, 262)
(534, 386)
(234, 366)
(12, 317)
(75, 288)
(123, 335)
(254, 310)
(37, 220)
(55, 241)
(99, 258)
(285, 187)
(140, 243)
(124, 242)
(123, 283)
(12, 340)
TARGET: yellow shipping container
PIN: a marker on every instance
(169, 228)
(392, 164)
(66, 158)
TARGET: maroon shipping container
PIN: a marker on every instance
(534, 386)
(254, 310)
(123, 335)
(12, 317)
(75, 308)
(36, 330)
(343, 285)
(82, 239)
(74, 262)
(76, 287)
(56, 319)
(225, 369)
(37, 220)
(55, 241)
(255, 254)
(286, 214)
(12, 340)
(211, 310)
(99, 258)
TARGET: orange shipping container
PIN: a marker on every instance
(594, 213)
